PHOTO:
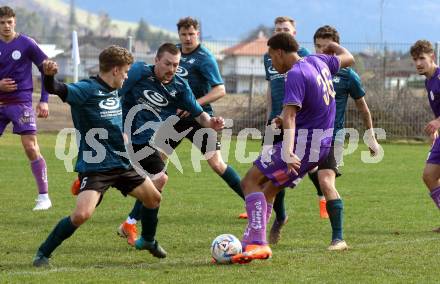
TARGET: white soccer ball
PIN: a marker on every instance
(224, 247)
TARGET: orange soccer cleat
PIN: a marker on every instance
(252, 252)
(74, 189)
(323, 209)
(243, 216)
(128, 231)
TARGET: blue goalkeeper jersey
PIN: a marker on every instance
(161, 100)
(346, 83)
(97, 116)
(277, 83)
(201, 70)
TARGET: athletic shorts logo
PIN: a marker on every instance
(181, 71)
(16, 55)
(155, 98)
(109, 104)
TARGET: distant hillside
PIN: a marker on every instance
(56, 10)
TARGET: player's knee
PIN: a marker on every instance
(217, 164)
(161, 182)
(80, 217)
(429, 180)
(32, 150)
(153, 201)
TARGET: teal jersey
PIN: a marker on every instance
(277, 83)
(97, 116)
(201, 71)
(162, 100)
(346, 83)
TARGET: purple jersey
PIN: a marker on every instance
(309, 86)
(16, 58)
(433, 87)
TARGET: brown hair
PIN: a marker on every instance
(421, 46)
(282, 19)
(326, 32)
(167, 47)
(7, 11)
(187, 23)
(283, 41)
(114, 56)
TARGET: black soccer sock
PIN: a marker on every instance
(63, 230)
(136, 211)
(314, 177)
(335, 209)
(149, 223)
(231, 177)
(278, 206)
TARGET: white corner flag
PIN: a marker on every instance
(75, 56)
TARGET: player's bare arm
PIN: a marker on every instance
(346, 59)
(289, 119)
(216, 93)
(7, 85)
(362, 107)
(216, 123)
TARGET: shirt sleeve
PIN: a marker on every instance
(266, 66)
(209, 69)
(189, 102)
(37, 56)
(78, 93)
(134, 75)
(331, 61)
(356, 88)
(294, 89)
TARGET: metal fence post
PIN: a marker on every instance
(437, 52)
(130, 43)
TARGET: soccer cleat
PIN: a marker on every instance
(40, 260)
(243, 216)
(252, 252)
(42, 204)
(128, 231)
(338, 245)
(323, 209)
(153, 247)
(275, 231)
(436, 230)
(74, 189)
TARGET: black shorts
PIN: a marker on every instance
(153, 163)
(277, 137)
(124, 180)
(330, 163)
(186, 123)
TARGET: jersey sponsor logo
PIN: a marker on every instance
(181, 71)
(272, 70)
(192, 60)
(109, 104)
(155, 98)
(336, 79)
(16, 54)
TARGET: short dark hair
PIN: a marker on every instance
(187, 23)
(326, 32)
(421, 46)
(114, 56)
(282, 19)
(167, 47)
(7, 11)
(283, 41)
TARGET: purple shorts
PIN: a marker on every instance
(434, 154)
(271, 164)
(22, 117)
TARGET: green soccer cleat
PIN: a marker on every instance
(153, 247)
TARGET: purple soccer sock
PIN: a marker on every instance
(40, 173)
(435, 195)
(256, 208)
(268, 212)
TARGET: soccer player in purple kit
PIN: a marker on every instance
(422, 53)
(17, 53)
(307, 120)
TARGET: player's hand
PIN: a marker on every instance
(293, 164)
(217, 123)
(432, 126)
(50, 68)
(433, 137)
(182, 113)
(374, 147)
(43, 110)
(330, 48)
(7, 85)
(277, 122)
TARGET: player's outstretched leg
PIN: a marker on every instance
(321, 199)
(39, 170)
(147, 240)
(335, 208)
